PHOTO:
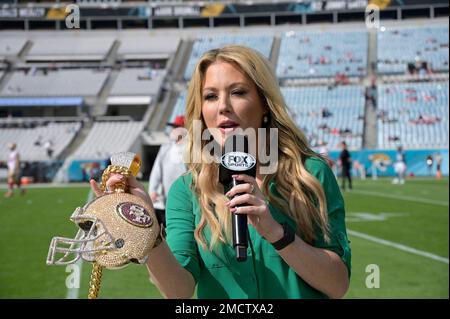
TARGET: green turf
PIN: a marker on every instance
(28, 223)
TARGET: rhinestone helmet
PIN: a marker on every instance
(114, 230)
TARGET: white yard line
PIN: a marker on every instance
(73, 293)
(401, 197)
(398, 246)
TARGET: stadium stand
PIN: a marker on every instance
(202, 44)
(106, 138)
(73, 47)
(139, 47)
(322, 54)
(31, 141)
(328, 114)
(425, 45)
(414, 115)
(11, 47)
(138, 81)
(40, 82)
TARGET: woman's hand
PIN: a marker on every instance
(256, 207)
(134, 187)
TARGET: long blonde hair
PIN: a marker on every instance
(302, 196)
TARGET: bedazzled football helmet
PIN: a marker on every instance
(115, 229)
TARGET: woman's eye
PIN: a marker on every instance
(210, 97)
(239, 92)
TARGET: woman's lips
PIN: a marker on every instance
(227, 130)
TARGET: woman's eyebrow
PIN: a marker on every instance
(229, 86)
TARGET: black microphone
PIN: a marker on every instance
(237, 160)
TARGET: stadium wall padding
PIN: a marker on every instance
(83, 170)
(383, 160)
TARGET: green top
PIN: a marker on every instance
(264, 274)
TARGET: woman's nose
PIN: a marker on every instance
(224, 104)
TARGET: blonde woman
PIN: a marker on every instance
(298, 242)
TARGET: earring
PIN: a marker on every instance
(265, 119)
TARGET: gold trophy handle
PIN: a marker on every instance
(121, 187)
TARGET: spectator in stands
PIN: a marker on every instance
(345, 162)
(236, 87)
(341, 79)
(48, 145)
(371, 93)
(168, 166)
(13, 163)
(400, 166)
(326, 113)
(38, 141)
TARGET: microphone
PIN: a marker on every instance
(237, 160)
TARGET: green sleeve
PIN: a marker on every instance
(339, 242)
(180, 222)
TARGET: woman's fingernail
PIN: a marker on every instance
(233, 209)
(235, 176)
(227, 203)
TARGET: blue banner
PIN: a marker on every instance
(84, 170)
(381, 162)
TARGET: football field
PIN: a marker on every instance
(399, 240)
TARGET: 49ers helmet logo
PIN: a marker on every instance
(135, 214)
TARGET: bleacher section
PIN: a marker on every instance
(308, 107)
(11, 47)
(81, 82)
(31, 141)
(107, 138)
(398, 47)
(147, 47)
(413, 115)
(202, 44)
(322, 54)
(138, 81)
(70, 48)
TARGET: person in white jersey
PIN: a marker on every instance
(13, 163)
